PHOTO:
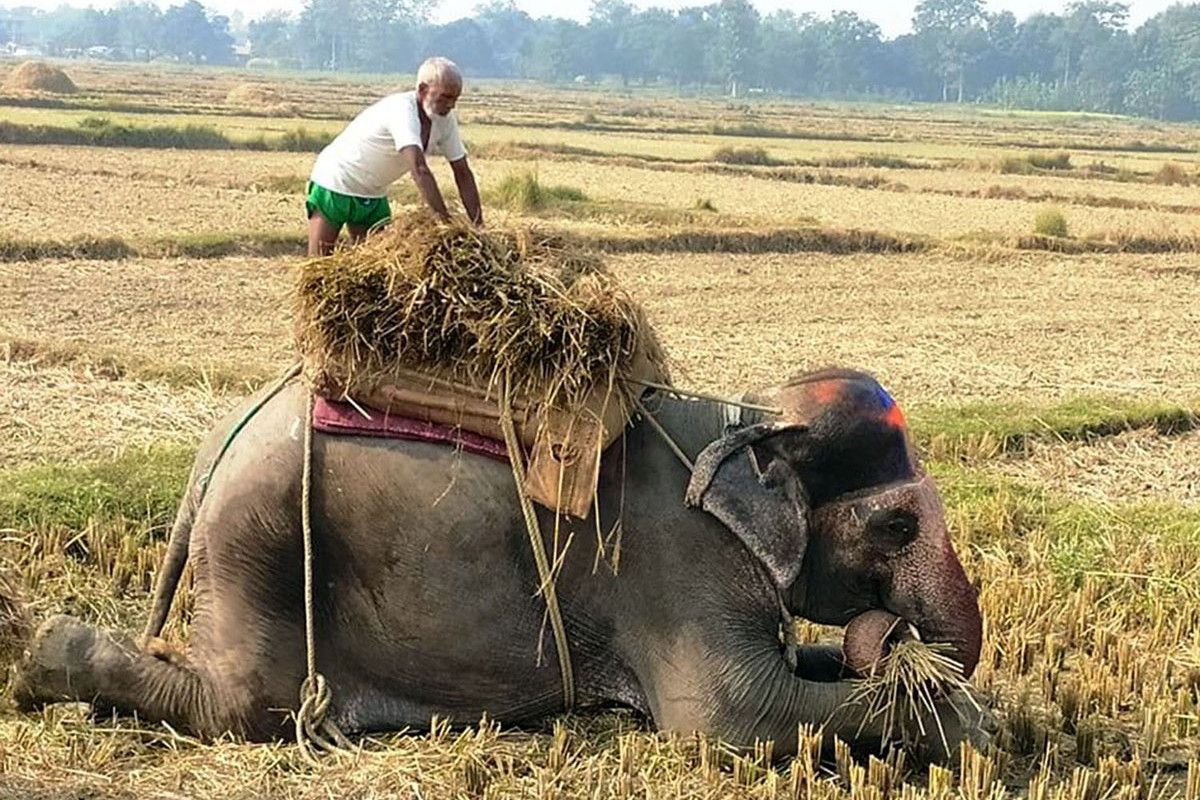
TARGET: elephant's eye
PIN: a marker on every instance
(894, 527)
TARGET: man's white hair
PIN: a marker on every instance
(439, 71)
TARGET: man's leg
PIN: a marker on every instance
(357, 232)
(371, 216)
(322, 234)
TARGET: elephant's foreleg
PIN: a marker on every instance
(71, 661)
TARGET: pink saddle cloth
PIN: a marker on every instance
(330, 416)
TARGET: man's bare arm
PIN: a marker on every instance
(467, 190)
(422, 176)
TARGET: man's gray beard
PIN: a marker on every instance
(429, 112)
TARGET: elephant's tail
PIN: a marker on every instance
(174, 561)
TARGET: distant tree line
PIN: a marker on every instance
(1085, 58)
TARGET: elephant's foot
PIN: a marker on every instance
(70, 661)
(57, 664)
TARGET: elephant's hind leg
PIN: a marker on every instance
(69, 660)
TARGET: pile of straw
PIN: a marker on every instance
(38, 76)
(902, 691)
(471, 306)
(261, 98)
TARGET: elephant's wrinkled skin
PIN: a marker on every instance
(425, 581)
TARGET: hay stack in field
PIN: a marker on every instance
(38, 76)
(253, 95)
(468, 306)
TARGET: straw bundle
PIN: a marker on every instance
(38, 76)
(471, 306)
(902, 688)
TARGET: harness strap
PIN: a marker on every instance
(688, 394)
(254, 409)
(661, 431)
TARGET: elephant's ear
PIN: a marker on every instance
(766, 508)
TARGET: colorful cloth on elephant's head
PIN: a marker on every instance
(893, 417)
(841, 393)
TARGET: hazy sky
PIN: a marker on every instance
(893, 17)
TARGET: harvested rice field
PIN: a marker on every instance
(1055, 397)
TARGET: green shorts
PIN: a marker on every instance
(343, 209)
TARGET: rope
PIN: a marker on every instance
(545, 574)
(279, 384)
(314, 733)
(688, 394)
(661, 431)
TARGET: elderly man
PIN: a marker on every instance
(348, 184)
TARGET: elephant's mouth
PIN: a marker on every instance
(870, 637)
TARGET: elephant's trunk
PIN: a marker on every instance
(869, 637)
(930, 589)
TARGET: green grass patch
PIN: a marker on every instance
(996, 516)
(200, 245)
(790, 174)
(1032, 163)
(1098, 243)
(712, 239)
(97, 131)
(123, 365)
(1050, 221)
(283, 184)
(874, 160)
(522, 191)
(591, 122)
(1172, 174)
(218, 245)
(1139, 146)
(141, 485)
(103, 248)
(987, 429)
(522, 149)
(298, 140)
(1049, 160)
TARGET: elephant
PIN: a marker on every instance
(673, 592)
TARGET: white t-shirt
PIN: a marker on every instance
(365, 158)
